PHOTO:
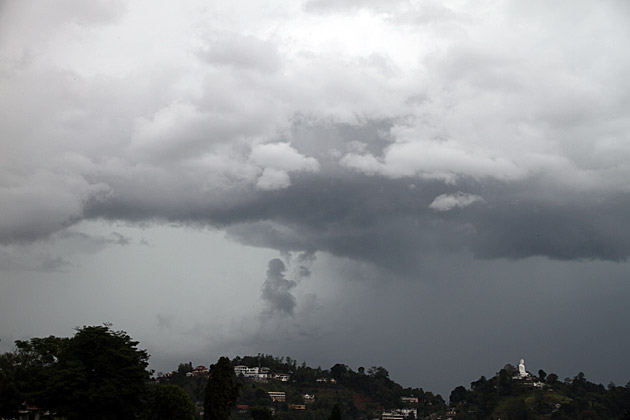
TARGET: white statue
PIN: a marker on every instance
(521, 369)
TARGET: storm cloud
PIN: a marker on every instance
(539, 146)
(276, 290)
(391, 141)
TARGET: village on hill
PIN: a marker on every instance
(277, 388)
(64, 378)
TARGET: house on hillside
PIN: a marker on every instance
(29, 412)
(282, 377)
(399, 414)
(258, 374)
(277, 396)
(200, 370)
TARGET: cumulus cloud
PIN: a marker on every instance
(277, 160)
(301, 144)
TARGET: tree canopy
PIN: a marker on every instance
(221, 391)
(98, 373)
(169, 402)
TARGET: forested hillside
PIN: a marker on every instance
(371, 394)
(100, 373)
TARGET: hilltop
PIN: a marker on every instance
(289, 391)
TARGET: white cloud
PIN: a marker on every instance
(446, 202)
(273, 179)
(446, 161)
(277, 160)
(243, 52)
(282, 156)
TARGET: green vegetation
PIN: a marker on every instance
(168, 402)
(100, 374)
(335, 414)
(538, 398)
(221, 391)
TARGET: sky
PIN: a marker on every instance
(436, 187)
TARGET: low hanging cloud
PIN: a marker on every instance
(446, 202)
(276, 291)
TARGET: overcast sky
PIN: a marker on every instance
(436, 187)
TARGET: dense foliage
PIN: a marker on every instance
(101, 374)
(168, 402)
(221, 391)
(366, 393)
(98, 374)
(539, 397)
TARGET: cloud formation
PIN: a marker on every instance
(446, 202)
(276, 290)
(300, 144)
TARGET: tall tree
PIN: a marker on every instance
(335, 413)
(100, 375)
(169, 402)
(221, 391)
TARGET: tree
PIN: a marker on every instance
(260, 413)
(10, 398)
(517, 410)
(335, 413)
(458, 394)
(221, 391)
(100, 374)
(169, 402)
(184, 368)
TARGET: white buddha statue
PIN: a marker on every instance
(521, 369)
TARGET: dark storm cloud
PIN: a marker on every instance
(480, 149)
(276, 290)
(389, 221)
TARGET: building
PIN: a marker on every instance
(308, 398)
(399, 414)
(282, 377)
(277, 396)
(260, 374)
(410, 400)
(299, 407)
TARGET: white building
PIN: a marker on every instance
(277, 396)
(399, 414)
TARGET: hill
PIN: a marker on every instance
(280, 388)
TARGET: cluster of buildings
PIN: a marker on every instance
(402, 413)
(399, 414)
(281, 396)
(260, 374)
(199, 370)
